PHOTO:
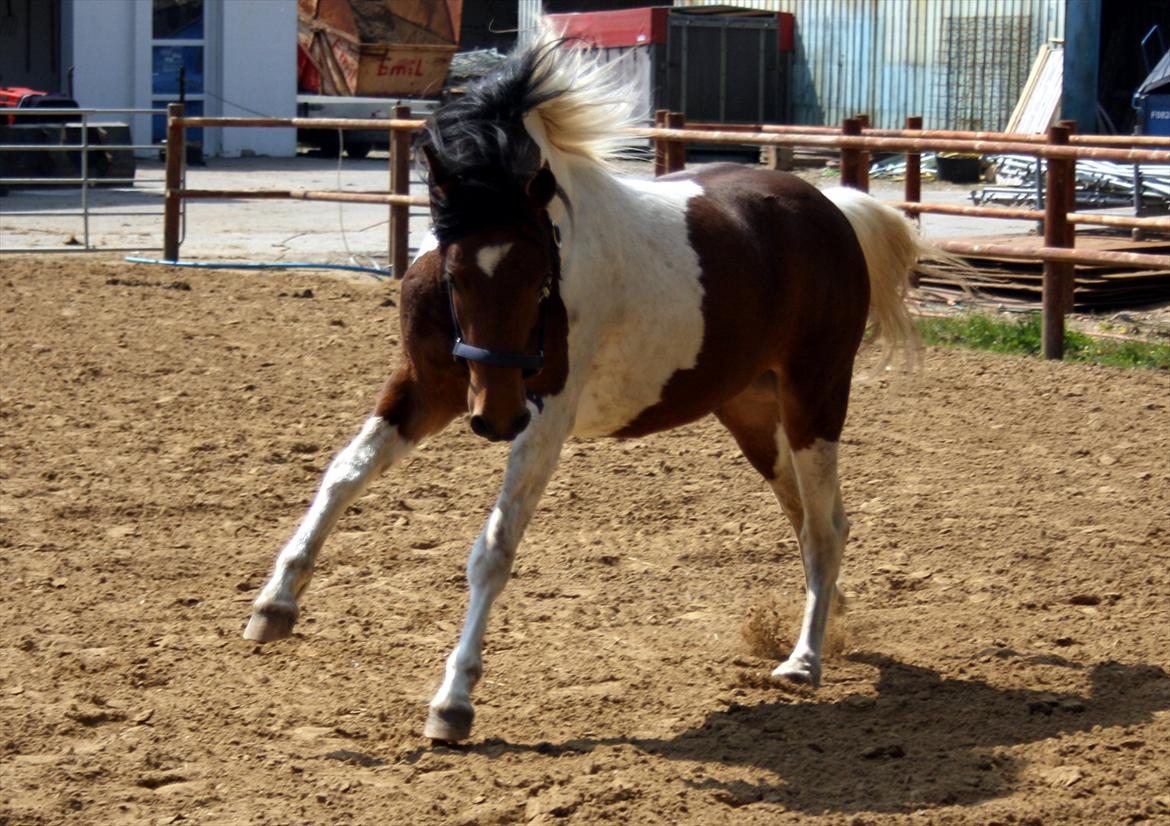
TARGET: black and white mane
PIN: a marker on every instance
(489, 140)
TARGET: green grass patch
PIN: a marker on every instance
(1023, 337)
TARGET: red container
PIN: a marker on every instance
(10, 98)
(385, 48)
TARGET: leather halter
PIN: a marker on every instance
(529, 365)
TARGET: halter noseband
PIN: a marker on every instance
(529, 365)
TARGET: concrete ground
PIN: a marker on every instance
(129, 220)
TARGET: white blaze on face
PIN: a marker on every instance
(488, 258)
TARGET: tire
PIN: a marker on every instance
(357, 150)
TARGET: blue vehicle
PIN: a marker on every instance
(1152, 98)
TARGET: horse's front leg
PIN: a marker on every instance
(530, 465)
(405, 415)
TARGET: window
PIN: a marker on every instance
(178, 46)
(178, 20)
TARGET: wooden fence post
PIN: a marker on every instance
(1139, 209)
(863, 164)
(1070, 228)
(676, 151)
(659, 144)
(1058, 275)
(400, 185)
(913, 183)
(850, 158)
(172, 201)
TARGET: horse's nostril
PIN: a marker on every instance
(519, 423)
(480, 427)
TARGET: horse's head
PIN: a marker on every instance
(500, 264)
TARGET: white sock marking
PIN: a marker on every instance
(375, 448)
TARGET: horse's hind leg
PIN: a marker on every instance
(822, 543)
(401, 420)
(813, 405)
(753, 417)
(805, 484)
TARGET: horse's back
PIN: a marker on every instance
(791, 226)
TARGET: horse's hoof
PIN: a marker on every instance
(449, 725)
(799, 672)
(269, 626)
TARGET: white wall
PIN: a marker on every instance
(258, 72)
(102, 42)
(249, 64)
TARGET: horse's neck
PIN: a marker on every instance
(593, 258)
(627, 252)
(631, 286)
(613, 223)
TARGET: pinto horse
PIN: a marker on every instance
(560, 299)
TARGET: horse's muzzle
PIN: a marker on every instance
(481, 426)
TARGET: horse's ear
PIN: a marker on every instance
(542, 187)
(440, 178)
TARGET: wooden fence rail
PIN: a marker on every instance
(916, 131)
(398, 199)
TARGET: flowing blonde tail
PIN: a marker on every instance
(892, 248)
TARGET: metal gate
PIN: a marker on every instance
(63, 172)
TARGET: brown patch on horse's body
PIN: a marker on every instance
(752, 417)
(758, 235)
(429, 388)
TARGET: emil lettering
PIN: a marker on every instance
(408, 68)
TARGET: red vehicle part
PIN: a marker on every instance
(10, 98)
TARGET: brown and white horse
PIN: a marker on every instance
(561, 299)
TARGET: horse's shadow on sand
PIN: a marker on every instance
(924, 741)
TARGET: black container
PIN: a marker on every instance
(959, 170)
(725, 69)
(712, 67)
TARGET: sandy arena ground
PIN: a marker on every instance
(1006, 649)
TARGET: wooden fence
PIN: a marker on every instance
(1060, 148)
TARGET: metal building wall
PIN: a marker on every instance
(527, 11)
(959, 63)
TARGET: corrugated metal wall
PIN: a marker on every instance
(526, 13)
(961, 64)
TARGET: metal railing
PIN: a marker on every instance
(83, 120)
